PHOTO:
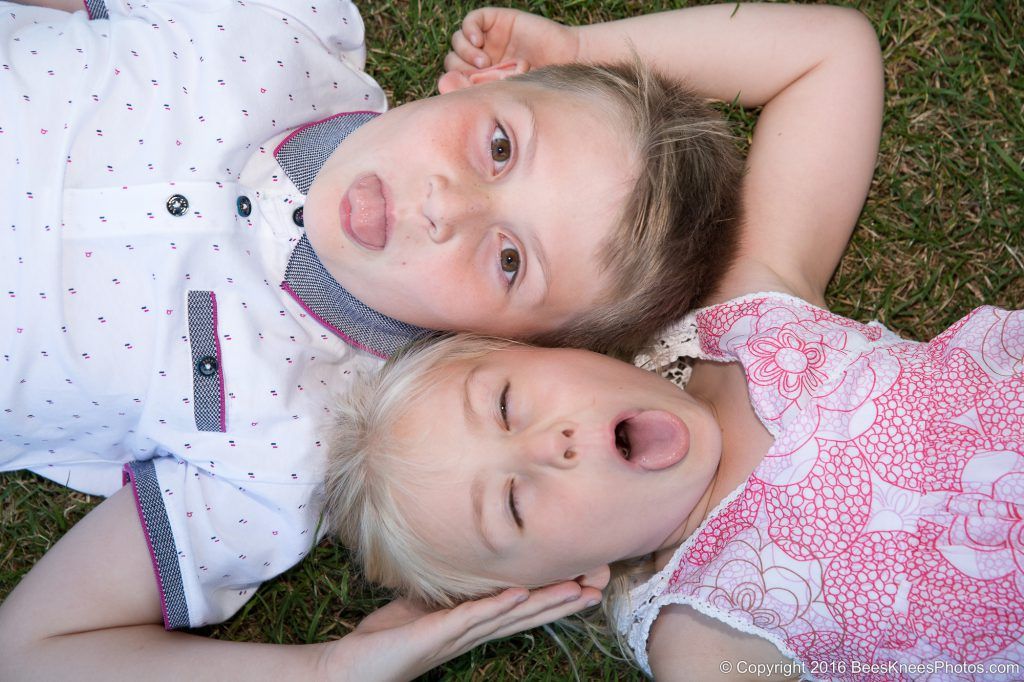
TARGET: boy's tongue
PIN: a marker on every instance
(657, 439)
(368, 210)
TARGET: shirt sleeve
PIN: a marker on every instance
(213, 540)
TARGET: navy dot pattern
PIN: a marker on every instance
(207, 377)
(101, 122)
(304, 152)
(153, 514)
(97, 9)
(309, 282)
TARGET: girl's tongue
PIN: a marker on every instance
(657, 439)
(368, 211)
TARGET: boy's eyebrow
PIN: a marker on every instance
(531, 148)
(476, 494)
(542, 261)
(527, 162)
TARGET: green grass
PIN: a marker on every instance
(940, 234)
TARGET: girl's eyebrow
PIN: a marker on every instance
(476, 495)
(471, 416)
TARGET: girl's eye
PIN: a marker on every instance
(512, 504)
(503, 405)
(509, 260)
(501, 148)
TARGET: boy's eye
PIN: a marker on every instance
(503, 405)
(509, 260)
(501, 147)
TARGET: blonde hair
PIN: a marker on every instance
(369, 470)
(367, 466)
(676, 234)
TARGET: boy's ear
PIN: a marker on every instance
(597, 578)
(457, 80)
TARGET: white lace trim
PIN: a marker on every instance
(679, 340)
(647, 599)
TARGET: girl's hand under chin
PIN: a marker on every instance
(402, 640)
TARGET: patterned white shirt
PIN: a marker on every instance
(166, 319)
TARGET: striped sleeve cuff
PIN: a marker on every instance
(96, 9)
(160, 539)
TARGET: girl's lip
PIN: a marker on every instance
(622, 416)
(372, 228)
(663, 439)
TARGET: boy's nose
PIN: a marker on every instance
(554, 447)
(453, 206)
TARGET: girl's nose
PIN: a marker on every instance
(452, 206)
(554, 446)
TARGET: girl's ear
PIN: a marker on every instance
(597, 578)
(457, 80)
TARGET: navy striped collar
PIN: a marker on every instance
(301, 155)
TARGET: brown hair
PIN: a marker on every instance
(677, 231)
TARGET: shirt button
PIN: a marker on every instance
(297, 216)
(244, 206)
(207, 366)
(177, 205)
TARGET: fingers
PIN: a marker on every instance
(470, 54)
(538, 616)
(453, 62)
(485, 621)
(476, 24)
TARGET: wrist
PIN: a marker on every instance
(333, 661)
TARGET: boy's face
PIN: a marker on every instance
(482, 210)
(520, 471)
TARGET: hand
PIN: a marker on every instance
(401, 640)
(491, 37)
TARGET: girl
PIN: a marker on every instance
(175, 221)
(824, 492)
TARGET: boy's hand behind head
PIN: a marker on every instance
(495, 36)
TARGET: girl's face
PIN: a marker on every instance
(543, 465)
(481, 210)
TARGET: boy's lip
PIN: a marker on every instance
(658, 439)
(365, 211)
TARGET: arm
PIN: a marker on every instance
(687, 646)
(816, 70)
(90, 610)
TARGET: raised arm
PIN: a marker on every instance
(816, 70)
(90, 610)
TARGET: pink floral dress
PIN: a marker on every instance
(882, 536)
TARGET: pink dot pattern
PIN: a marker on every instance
(886, 523)
(103, 124)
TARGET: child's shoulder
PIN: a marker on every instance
(725, 329)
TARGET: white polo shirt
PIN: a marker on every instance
(165, 318)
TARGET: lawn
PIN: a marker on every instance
(941, 233)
